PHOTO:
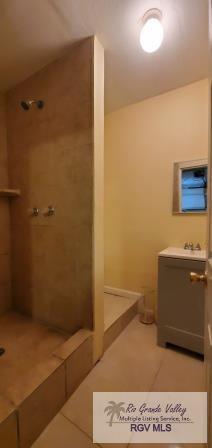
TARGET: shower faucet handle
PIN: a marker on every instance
(35, 211)
(50, 211)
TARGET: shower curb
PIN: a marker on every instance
(32, 404)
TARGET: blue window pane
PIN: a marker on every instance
(194, 189)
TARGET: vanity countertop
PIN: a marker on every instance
(176, 252)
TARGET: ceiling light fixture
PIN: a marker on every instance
(151, 36)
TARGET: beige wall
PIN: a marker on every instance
(5, 295)
(51, 161)
(141, 143)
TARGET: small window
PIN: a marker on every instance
(194, 190)
(190, 187)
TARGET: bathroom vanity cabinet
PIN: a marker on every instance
(180, 303)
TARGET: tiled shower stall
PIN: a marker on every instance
(51, 239)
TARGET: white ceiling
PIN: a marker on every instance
(35, 32)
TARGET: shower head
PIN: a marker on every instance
(27, 104)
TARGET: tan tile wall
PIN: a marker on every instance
(51, 161)
(5, 294)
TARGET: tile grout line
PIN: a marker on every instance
(79, 429)
(156, 375)
(153, 382)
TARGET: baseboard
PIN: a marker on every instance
(123, 293)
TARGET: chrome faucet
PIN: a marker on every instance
(50, 211)
(190, 246)
(35, 211)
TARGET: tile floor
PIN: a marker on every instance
(132, 363)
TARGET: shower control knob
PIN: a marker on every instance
(35, 211)
(51, 211)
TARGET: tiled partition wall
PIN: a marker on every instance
(51, 161)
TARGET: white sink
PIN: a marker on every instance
(176, 252)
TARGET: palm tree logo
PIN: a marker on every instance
(114, 409)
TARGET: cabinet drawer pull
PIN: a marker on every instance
(196, 278)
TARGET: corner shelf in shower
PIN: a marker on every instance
(9, 193)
